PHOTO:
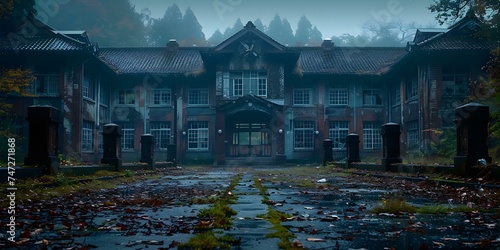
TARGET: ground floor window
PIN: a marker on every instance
(127, 135)
(372, 139)
(161, 133)
(198, 135)
(412, 132)
(337, 132)
(87, 136)
(303, 135)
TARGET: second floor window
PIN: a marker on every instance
(88, 88)
(126, 96)
(198, 96)
(47, 85)
(372, 97)
(455, 81)
(411, 89)
(161, 97)
(338, 96)
(249, 83)
(302, 97)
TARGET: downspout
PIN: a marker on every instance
(145, 107)
(354, 107)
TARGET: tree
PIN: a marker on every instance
(287, 36)
(238, 25)
(259, 25)
(316, 37)
(192, 30)
(168, 27)
(108, 22)
(216, 38)
(303, 32)
(12, 13)
(275, 28)
(394, 34)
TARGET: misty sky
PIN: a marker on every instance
(332, 17)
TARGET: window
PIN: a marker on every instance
(237, 87)
(161, 97)
(127, 135)
(126, 96)
(372, 97)
(47, 85)
(411, 89)
(302, 97)
(87, 136)
(338, 132)
(198, 135)
(412, 130)
(198, 97)
(88, 88)
(338, 96)
(249, 83)
(303, 135)
(372, 139)
(397, 95)
(455, 81)
(104, 95)
(161, 133)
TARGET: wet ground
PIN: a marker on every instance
(324, 210)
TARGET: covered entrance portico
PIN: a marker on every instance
(253, 129)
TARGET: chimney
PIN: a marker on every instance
(327, 44)
(172, 45)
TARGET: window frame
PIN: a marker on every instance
(373, 94)
(197, 134)
(126, 97)
(51, 85)
(299, 97)
(162, 132)
(336, 129)
(202, 94)
(412, 133)
(161, 100)
(128, 136)
(372, 137)
(454, 72)
(336, 98)
(303, 135)
(412, 89)
(88, 88)
(87, 136)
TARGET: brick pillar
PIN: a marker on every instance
(148, 150)
(112, 155)
(391, 147)
(352, 143)
(43, 138)
(472, 137)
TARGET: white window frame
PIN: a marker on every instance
(338, 96)
(372, 138)
(198, 97)
(455, 81)
(237, 87)
(412, 131)
(198, 137)
(337, 132)
(302, 96)
(161, 97)
(162, 134)
(249, 83)
(87, 136)
(303, 135)
(88, 89)
(128, 136)
(371, 97)
(46, 85)
(126, 97)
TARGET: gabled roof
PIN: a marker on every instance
(348, 60)
(42, 37)
(153, 60)
(462, 35)
(249, 29)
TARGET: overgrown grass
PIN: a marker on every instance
(220, 213)
(208, 240)
(398, 206)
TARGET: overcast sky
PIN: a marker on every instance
(332, 17)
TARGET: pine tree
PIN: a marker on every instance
(168, 27)
(275, 28)
(191, 29)
(259, 25)
(287, 36)
(303, 32)
(216, 38)
(316, 37)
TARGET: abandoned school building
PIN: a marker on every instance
(249, 96)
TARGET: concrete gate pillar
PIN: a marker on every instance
(112, 155)
(352, 143)
(148, 150)
(472, 137)
(391, 148)
(327, 148)
(43, 138)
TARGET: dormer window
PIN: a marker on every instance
(249, 83)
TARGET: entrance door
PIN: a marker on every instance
(250, 139)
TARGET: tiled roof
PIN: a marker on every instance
(446, 41)
(150, 60)
(42, 43)
(348, 60)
